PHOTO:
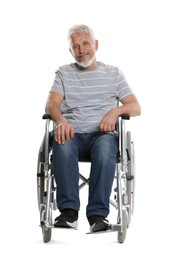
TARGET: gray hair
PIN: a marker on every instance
(80, 28)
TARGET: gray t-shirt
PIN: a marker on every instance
(89, 94)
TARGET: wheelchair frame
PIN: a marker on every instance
(123, 192)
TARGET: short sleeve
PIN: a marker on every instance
(123, 88)
(58, 83)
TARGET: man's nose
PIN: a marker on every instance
(81, 49)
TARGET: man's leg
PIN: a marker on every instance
(103, 162)
(66, 172)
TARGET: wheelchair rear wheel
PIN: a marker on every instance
(130, 176)
(40, 176)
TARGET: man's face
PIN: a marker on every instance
(83, 49)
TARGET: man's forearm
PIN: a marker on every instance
(132, 109)
(55, 113)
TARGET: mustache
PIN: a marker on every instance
(83, 53)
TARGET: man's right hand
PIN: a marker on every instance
(63, 132)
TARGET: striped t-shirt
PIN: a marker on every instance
(89, 94)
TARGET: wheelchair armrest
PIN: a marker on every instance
(46, 116)
(125, 116)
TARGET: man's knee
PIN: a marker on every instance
(65, 149)
(106, 146)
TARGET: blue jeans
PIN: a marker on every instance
(101, 149)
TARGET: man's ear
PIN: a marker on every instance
(71, 52)
(96, 45)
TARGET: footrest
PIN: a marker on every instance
(52, 226)
(111, 228)
(66, 228)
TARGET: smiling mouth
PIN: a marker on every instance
(83, 54)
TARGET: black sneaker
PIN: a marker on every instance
(67, 219)
(98, 223)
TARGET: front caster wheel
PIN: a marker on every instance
(122, 234)
(46, 231)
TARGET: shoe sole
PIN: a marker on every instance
(98, 227)
(66, 224)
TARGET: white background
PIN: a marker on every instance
(133, 35)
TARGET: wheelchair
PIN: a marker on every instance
(123, 188)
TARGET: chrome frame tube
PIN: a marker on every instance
(47, 209)
(47, 172)
(119, 194)
(123, 147)
(47, 126)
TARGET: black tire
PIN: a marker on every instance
(130, 175)
(40, 175)
(122, 235)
